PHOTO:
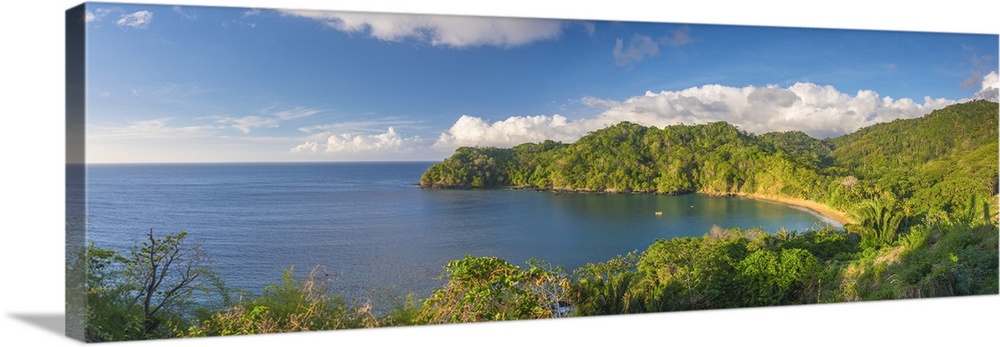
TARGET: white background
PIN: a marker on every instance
(32, 179)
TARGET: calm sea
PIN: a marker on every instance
(372, 228)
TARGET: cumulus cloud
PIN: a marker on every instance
(820, 111)
(448, 31)
(474, 131)
(388, 142)
(310, 146)
(639, 48)
(139, 19)
(989, 87)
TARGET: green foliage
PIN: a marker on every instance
(292, 305)
(692, 273)
(723, 269)
(825, 244)
(110, 314)
(929, 164)
(470, 167)
(606, 288)
(777, 277)
(959, 259)
(931, 261)
(296, 304)
(302, 304)
(803, 150)
(879, 221)
(404, 312)
(143, 293)
(626, 157)
(897, 147)
(490, 289)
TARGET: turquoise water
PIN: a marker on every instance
(371, 227)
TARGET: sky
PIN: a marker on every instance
(224, 84)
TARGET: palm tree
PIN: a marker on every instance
(879, 219)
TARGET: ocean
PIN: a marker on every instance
(372, 228)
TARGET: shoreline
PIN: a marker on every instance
(819, 208)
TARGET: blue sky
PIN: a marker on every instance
(215, 84)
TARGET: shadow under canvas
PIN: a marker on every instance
(52, 322)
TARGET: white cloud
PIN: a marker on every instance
(97, 15)
(139, 19)
(820, 111)
(449, 31)
(388, 142)
(310, 146)
(639, 48)
(473, 131)
(989, 88)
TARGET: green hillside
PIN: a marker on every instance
(928, 164)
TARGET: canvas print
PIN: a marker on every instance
(239, 171)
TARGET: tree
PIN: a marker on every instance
(879, 220)
(161, 274)
(294, 304)
(108, 313)
(130, 295)
(607, 288)
(491, 289)
(769, 277)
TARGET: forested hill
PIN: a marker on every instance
(950, 152)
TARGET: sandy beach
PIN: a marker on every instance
(820, 208)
